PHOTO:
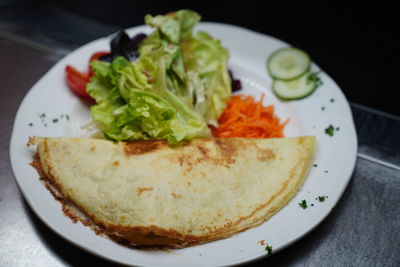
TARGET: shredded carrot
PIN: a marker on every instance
(246, 117)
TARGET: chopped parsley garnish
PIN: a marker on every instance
(323, 108)
(332, 100)
(312, 205)
(269, 249)
(321, 198)
(330, 130)
(313, 77)
(42, 117)
(303, 204)
(315, 165)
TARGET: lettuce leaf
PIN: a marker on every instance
(207, 76)
(176, 87)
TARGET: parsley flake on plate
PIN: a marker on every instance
(303, 204)
(330, 130)
(269, 249)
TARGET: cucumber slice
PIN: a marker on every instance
(298, 88)
(288, 63)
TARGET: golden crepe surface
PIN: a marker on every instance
(147, 193)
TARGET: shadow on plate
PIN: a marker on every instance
(67, 252)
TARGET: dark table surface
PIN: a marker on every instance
(362, 230)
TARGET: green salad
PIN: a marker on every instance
(175, 88)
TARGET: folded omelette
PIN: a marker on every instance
(148, 193)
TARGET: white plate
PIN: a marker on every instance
(249, 50)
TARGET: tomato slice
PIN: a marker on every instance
(77, 81)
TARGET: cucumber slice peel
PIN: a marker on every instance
(288, 63)
(295, 89)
